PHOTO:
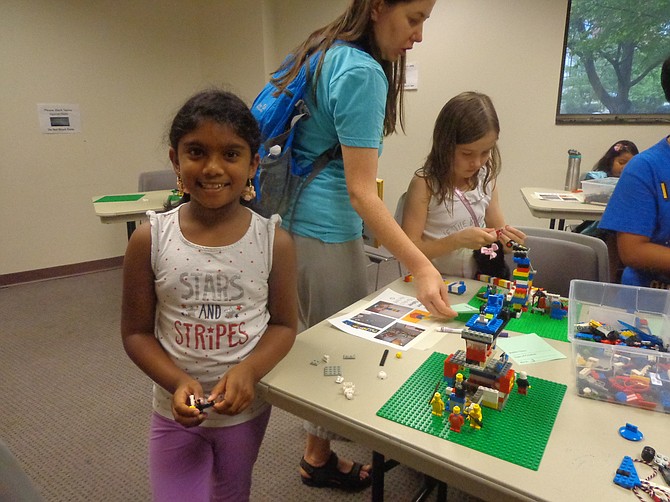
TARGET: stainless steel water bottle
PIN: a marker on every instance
(572, 176)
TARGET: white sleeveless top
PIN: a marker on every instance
(448, 218)
(211, 306)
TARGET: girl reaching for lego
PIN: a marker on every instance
(209, 307)
(452, 207)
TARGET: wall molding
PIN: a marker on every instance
(59, 272)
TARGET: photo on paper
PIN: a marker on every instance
(389, 309)
(416, 316)
(370, 319)
(360, 327)
(390, 319)
(558, 197)
(399, 334)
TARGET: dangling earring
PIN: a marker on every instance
(180, 186)
(249, 192)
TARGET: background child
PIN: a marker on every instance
(452, 207)
(616, 157)
(611, 164)
(209, 307)
(639, 211)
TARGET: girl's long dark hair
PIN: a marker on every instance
(606, 161)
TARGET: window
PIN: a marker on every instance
(612, 58)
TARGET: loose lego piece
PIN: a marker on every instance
(456, 288)
(382, 375)
(631, 432)
(383, 359)
(626, 475)
(339, 379)
(202, 404)
(398, 355)
(332, 370)
(349, 356)
(348, 388)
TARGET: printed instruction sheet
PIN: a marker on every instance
(390, 319)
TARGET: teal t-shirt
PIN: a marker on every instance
(350, 108)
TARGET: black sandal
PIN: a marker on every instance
(328, 475)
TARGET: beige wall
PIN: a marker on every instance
(129, 65)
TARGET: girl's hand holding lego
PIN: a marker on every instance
(508, 233)
(476, 238)
(238, 387)
(182, 412)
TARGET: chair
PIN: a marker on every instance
(558, 257)
(163, 179)
(377, 253)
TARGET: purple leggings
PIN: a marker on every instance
(203, 464)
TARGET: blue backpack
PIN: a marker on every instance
(279, 180)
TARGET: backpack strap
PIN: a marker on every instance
(317, 166)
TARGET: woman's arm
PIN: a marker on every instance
(138, 308)
(237, 385)
(360, 168)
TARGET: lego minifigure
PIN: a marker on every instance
(437, 404)
(456, 420)
(475, 416)
(522, 383)
(459, 386)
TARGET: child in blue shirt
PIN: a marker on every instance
(639, 211)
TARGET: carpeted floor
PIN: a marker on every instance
(76, 409)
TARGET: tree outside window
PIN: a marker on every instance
(612, 61)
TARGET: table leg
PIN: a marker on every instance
(130, 228)
(552, 224)
(378, 470)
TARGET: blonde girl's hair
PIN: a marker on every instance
(354, 26)
(464, 119)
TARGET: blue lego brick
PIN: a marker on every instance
(626, 475)
(490, 328)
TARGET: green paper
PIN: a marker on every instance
(121, 198)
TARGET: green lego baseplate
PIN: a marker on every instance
(518, 433)
(541, 324)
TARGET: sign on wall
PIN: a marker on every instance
(58, 118)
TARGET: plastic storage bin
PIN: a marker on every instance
(598, 191)
(614, 369)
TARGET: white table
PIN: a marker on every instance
(130, 211)
(559, 209)
(581, 456)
